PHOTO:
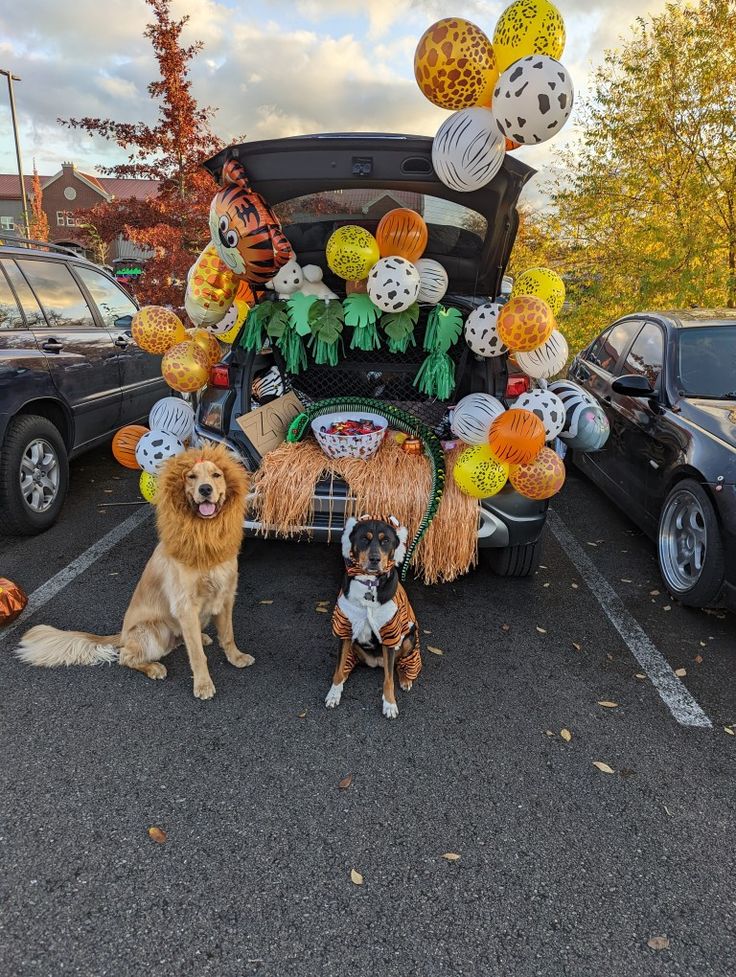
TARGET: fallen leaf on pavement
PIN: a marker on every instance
(667, 811)
(505, 627)
(566, 735)
(548, 732)
(607, 704)
(157, 835)
(435, 651)
(346, 782)
(322, 610)
(355, 877)
(658, 943)
(640, 675)
(301, 715)
(667, 607)
(590, 544)
(654, 593)
(729, 730)
(576, 646)
(541, 630)
(451, 856)
(322, 603)
(574, 586)
(426, 632)
(681, 672)
(698, 659)
(702, 644)
(545, 585)
(626, 580)
(265, 602)
(603, 767)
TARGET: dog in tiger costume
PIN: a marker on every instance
(245, 231)
(373, 618)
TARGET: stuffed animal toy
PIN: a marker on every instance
(293, 278)
(245, 231)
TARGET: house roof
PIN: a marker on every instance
(108, 186)
(10, 185)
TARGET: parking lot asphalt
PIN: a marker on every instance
(564, 870)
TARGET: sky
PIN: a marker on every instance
(271, 68)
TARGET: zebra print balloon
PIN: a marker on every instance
(468, 150)
(269, 384)
(471, 419)
(434, 281)
(546, 360)
(174, 416)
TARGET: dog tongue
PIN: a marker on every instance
(207, 508)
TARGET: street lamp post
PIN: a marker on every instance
(11, 78)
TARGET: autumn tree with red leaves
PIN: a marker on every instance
(38, 228)
(173, 223)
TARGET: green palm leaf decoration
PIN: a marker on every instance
(298, 307)
(326, 319)
(362, 315)
(399, 327)
(443, 328)
(278, 321)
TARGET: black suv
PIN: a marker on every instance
(70, 375)
(318, 183)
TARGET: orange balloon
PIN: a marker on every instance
(156, 329)
(541, 478)
(124, 443)
(516, 436)
(207, 342)
(402, 233)
(186, 368)
(525, 323)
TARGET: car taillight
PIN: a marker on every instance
(516, 386)
(220, 376)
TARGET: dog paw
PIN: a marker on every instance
(333, 697)
(406, 685)
(206, 640)
(204, 688)
(156, 670)
(390, 709)
(239, 660)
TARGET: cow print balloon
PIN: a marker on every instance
(156, 447)
(549, 409)
(533, 99)
(481, 331)
(393, 284)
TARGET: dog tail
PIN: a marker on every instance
(49, 647)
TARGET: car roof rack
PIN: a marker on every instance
(27, 242)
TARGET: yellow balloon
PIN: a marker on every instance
(455, 65)
(352, 252)
(528, 27)
(156, 329)
(208, 343)
(148, 485)
(542, 283)
(234, 319)
(478, 473)
(185, 367)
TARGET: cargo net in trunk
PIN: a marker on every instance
(380, 375)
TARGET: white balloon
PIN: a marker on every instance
(174, 416)
(546, 360)
(481, 331)
(549, 409)
(468, 149)
(575, 399)
(434, 281)
(533, 99)
(393, 284)
(156, 447)
(471, 419)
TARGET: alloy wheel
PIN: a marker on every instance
(39, 475)
(683, 541)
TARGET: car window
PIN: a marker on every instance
(645, 356)
(706, 361)
(597, 352)
(31, 308)
(10, 315)
(111, 300)
(58, 293)
(614, 342)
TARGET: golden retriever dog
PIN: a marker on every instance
(190, 578)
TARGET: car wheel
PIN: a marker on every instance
(34, 475)
(689, 545)
(516, 561)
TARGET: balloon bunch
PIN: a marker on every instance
(136, 447)
(187, 354)
(507, 93)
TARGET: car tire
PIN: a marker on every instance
(516, 561)
(33, 448)
(690, 545)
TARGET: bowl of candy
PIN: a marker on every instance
(350, 435)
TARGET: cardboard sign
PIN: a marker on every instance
(266, 427)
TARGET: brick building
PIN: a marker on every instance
(66, 192)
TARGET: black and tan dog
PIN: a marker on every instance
(373, 617)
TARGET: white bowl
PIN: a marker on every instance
(349, 445)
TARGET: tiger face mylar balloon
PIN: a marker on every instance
(543, 283)
(246, 232)
(541, 478)
(528, 27)
(478, 473)
(525, 322)
(454, 64)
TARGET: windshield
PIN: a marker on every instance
(454, 231)
(706, 362)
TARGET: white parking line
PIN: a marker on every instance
(47, 591)
(671, 690)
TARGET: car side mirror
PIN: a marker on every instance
(633, 385)
(123, 323)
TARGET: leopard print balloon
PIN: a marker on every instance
(478, 473)
(185, 367)
(351, 252)
(156, 329)
(542, 478)
(455, 65)
(545, 284)
(525, 323)
(528, 27)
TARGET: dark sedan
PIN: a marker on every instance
(667, 382)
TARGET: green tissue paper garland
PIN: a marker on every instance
(326, 319)
(399, 327)
(362, 315)
(436, 375)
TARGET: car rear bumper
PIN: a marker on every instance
(507, 519)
